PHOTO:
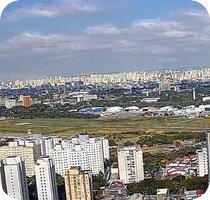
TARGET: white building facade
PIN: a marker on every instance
(28, 151)
(46, 145)
(130, 164)
(2, 177)
(15, 177)
(82, 151)
(46, 179)
(202, 156)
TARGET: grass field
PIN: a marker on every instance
(103, 126)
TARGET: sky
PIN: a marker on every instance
(40, 38)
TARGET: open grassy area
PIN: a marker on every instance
(103, 126)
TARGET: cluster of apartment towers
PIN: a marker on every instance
(76, 159)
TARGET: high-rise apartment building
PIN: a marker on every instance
(82, 151)
(130, 164)
(106, 151)
(15, 176)
(60, 157)
(46, 145)
(208, 153)
(202, 155)
(90, 143)
(2, 177)
(78, 185)
(46, 179)
(28, 151)
(65, 158)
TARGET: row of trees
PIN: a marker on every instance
(150, 186)
(169, 138)
(40, 111)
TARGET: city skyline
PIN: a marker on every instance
(115, 78)
(48, 38)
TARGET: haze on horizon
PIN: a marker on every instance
(72, 37)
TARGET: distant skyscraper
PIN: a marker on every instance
(15, 176)
(165, 81)
(78, 185)
(46, 179)
(202, 156)
(130, 164)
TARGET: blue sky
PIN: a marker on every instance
(70, 37)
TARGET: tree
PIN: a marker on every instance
(98, 181)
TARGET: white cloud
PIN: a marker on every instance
(53, 10)
(176, 34)
(105, 29)
(179, 42)
(195, 14)
(154, 23)
(143, 36)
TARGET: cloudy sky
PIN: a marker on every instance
(40, 38)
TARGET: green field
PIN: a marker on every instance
(105, 126)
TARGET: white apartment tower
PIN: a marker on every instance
(96, 154)
(208, 149)
(202, 155)
(130, 164)
(46, 179)
(2, 177)
(15, 176)
(46, 145)
(82, 151)
(60, 159)
(28, 151)
(106, 151)
(65, 158)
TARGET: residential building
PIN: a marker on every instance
(27, 101)
(78, 185)
(65, 158)
(192, 194)
(46, 145)
(136, 197)
(162, 194)
(46, 179)
(2, 177)
(15, 176)
(28, 151)
(202, 155)
(208, 154)
(106, 151)
(82, 151)
(130, 164)
(60, 157)
(98, 149)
